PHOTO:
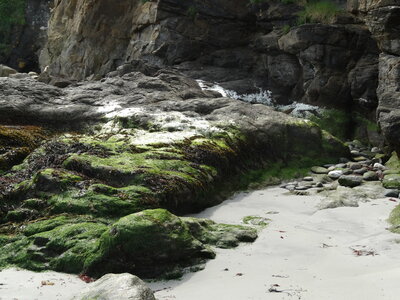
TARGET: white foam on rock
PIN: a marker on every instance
(262, 97)
(296, 109)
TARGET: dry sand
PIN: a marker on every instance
(304, 253)
(26, 285)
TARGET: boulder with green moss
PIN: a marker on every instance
(150, 243)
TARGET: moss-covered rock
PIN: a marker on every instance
(79, 203)
(394, 219)
(391, 181)
(149, 243)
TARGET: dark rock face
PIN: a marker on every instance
(383, 19)
(329, 59)
(388, 112)
(170, 31)
(232, 43)
(30, 38)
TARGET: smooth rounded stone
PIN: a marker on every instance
(375, 150)
(391, 181)
(319, 170)
(370, 176)
(379, 166)
(319, 184)
(355, 166)
(123, 286)
(331, 168)
(360, 171)
(347, 171)
(341, 165)
(392, 193)
(359, 158)
(293, 183)
(343, 160)
(355, 152)
(302, 187)
(308, 178)
(328, 165)
(290, 187)
(350, 180)
(376, 160)
(335, 174)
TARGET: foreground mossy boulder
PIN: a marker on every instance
(149, 243)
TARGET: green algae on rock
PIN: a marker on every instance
(178, 154)
(149, 243)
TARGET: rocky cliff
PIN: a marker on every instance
(383, 20)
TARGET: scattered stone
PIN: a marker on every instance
(123, 286)
(354, 166)
(379, 166)
(392, 193)
(377, 160)
(341, 166)
(343, 160)
(360, 171)
(370, 176)
(319, 170)
(355, 152)
(290, 187)
(350, 180)
(375, 150)
(303, 187)
(328, 165)
(319, 184)
(335, 174)
(359, 158)
(347, 171)
(308, 178)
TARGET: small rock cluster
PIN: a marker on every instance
(365, 165)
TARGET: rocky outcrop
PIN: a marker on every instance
(242, 46)
(140, 142)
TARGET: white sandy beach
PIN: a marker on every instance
(304, 253)
(26, 285)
